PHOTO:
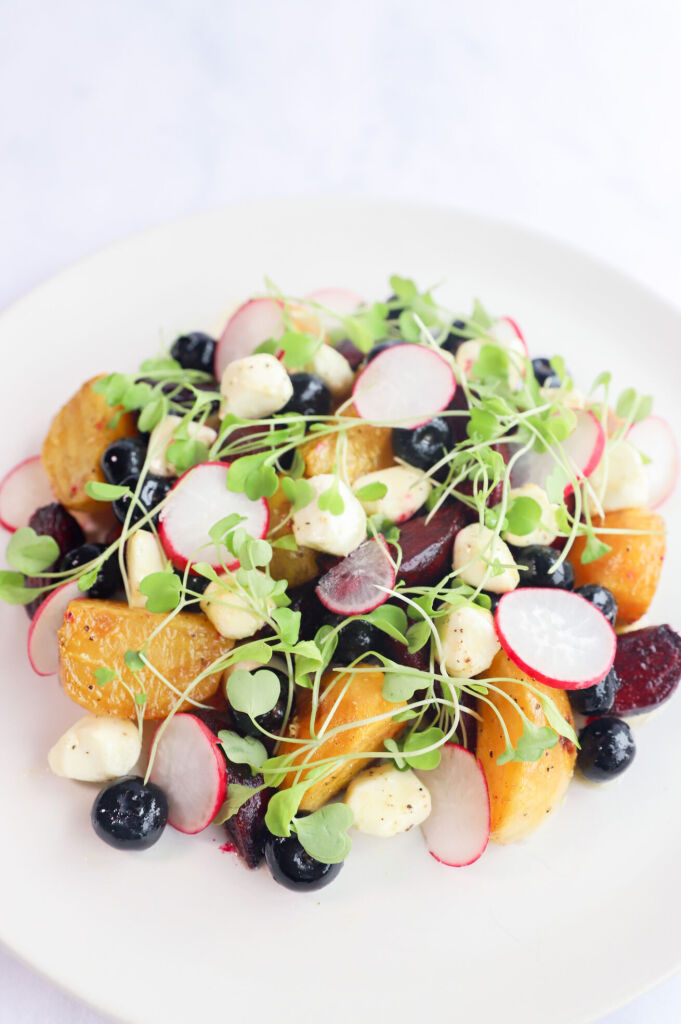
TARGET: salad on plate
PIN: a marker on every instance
(350, 566)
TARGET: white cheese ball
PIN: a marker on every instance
(407, 490)
(547, 531)
(469, 641)
(320, 530)
(475, 550)
(334, 369)
(143, 556)
(161, 438)
(96, 748)
(230, 611)
(386, 801)
(255, 387)
(620, 479)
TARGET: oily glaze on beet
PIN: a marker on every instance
(648, 664)
(427, 547)
(246, 829)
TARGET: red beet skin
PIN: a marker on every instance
(427, 547)
(648, 664)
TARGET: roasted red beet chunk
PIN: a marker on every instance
(427, 547)
(246, 828)
(53, 521)
(648, 663)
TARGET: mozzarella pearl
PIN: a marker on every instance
(161, 438)
(255, 387)
(469, 641)
(333, 368)
(547, 531)
(407, 490)
(386, 801)
(318, 529)
(476, 549)
(620, 480)
(96, 748)
(143, 555)
(230, 611)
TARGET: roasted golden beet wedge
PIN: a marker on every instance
(631, 570)
(368, 448)
(98, 633)
(296, 567)
(78, 437)
(521, 794)
(362, 699)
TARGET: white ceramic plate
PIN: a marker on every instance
(563, 927)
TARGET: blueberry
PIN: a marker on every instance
(423, 446)
(272, 721)
(310, 397)
(195, 351)
(381, 346)
(535, 563)
(598, 699)
(295, 869)
(457, 334)
(129, 815)
(602, 598)
(124, 459)
(355, 639)
(394, 314)
(153, 491)
(108, 576)
(607, 749)
(545, 375)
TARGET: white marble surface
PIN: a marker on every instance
(114, 117)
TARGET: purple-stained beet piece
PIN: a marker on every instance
(648, 664)
(353, 355)
(53, 521)
(247, 829)
(427, 547)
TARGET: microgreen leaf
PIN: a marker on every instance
(556, 483)
(88, 580)
(13, 589)
(531, 744)
(237, 796)
(134, 661)
(398, 687)
(289, 624)
(392, 745)
(331, 501)
(152, 414)
(372, 492)
(632, 406)
(183, 454)
(286, 543)
(556, 720)
(390, 619)
(104, 675)
(253, 693)
(480, 317)
(418, 636)
(492, 363)
(282, 809)
(417, 741)
(593, 549)
(523, 515)
(99, 491)
(221, 530)
(298, 348)
(31, 553)
(323, 834)
(140, 699)
(299, 492)
(243, 749)
(404, 288)
(482, 425)
(163, 591)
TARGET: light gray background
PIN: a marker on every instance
(116, 116)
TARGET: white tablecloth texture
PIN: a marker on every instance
(115, 117)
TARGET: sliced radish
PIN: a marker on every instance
(197, 502)
(583, 448)
(190, 769)
(340, 301)
(655, 439)
(351, 586)
(506, 331)
(406, 385)
(457, 830)
(556, 636)
(256, 321)
(43, 652)
(24, 489)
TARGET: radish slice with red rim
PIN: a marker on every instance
(198, 501)
(23, 490)
(43, 650)
(338, 300)
(654, 438)
(556, 637)
(406, 385)
(458, 827)
(256, 321)
(583, 449)
(506, 330)
(190, 769)
(352, 586)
